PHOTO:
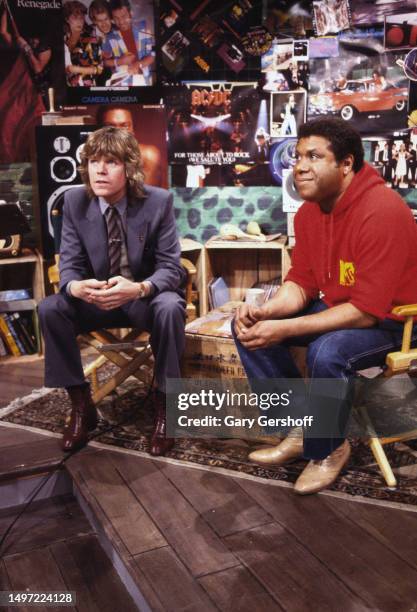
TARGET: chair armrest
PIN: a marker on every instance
(188, 265)
(191, 271)
(408, 310)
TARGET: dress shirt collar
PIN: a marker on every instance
(121, 205)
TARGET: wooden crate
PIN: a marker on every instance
(210, 351)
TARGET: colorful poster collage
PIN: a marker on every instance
(234, 80)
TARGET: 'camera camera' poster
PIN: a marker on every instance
(109, 50)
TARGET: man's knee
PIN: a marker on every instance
(169, 306)
(52, 306)
(325, 356)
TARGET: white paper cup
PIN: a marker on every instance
(255, 297)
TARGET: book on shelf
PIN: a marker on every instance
(19, 327)
(11, 295)
(14, 333)
(8, 337)
(22, 328)
(3, 347)
(218, 292)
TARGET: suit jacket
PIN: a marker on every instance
(153, 249)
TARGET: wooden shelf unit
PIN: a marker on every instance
(242, 263)
(38, 288)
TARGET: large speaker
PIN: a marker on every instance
(58, 156)
(291, 201)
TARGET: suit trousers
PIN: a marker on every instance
(62, 318)
(333, 355)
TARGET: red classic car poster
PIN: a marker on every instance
(363, 83)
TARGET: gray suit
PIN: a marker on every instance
(153, 253)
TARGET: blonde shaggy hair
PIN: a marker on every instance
(119, 144)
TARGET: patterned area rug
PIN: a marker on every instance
(361, 478)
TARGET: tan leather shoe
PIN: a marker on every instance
(319, 475)
(288, 450)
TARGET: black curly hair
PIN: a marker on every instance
(343, 138)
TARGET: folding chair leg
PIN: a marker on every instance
(381, 459)
(377, 449)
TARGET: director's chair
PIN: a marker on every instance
(403, 361)
(128, 350)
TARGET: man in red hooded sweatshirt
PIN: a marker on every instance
(355, 258)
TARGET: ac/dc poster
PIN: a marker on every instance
(210, 39)
(213, 123)
(362, 84)
(31, 63)
(109, 50)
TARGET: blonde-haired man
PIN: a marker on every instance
(119, 267)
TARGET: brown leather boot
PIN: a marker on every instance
(160, 444)
(83, 418)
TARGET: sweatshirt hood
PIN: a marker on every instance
(365, 179)
(362, 182)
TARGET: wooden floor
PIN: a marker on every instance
(54, 548)
(18, 377)
(196, 539)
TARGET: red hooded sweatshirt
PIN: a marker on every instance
(363, 252)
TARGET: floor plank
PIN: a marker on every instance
(197, 545)
(9, 436)
(5, 585)
(30, 457)
(126, 515)
(371, 571)
(276, 558)
(35, 570)
(49, 520)
(237, 590)
(176, 588)
(395, 529)
(97, 573)
(218, 499)
(74, 577)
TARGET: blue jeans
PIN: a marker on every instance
(337, 354)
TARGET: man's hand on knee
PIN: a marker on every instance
(84, 289)
(246, 316)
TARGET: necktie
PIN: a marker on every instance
(114, 240)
